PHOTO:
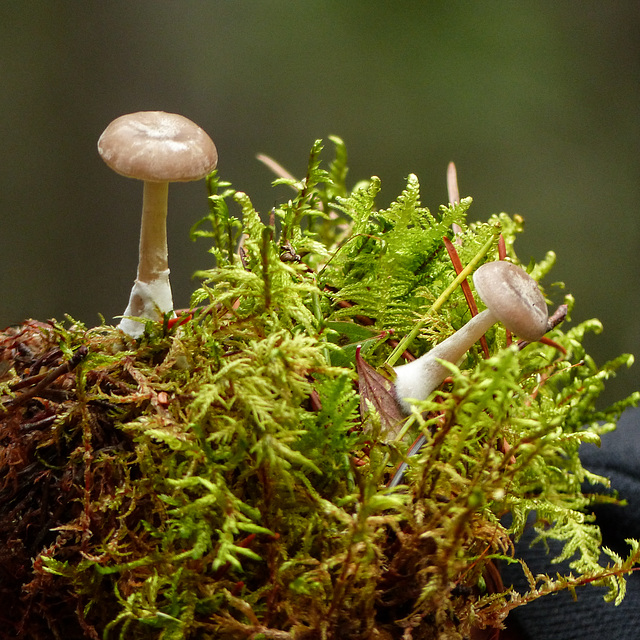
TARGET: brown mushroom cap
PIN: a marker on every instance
(157, 147)
(513, 297)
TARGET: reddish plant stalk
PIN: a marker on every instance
(466, 289)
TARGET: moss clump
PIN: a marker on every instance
(226, 476)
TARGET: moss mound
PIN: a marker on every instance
(233, 473)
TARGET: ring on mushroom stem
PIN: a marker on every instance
(158, 148)
(511, 296)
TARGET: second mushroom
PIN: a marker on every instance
(511, 296)
(158, 148)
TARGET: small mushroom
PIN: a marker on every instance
(159, 148)
(511, 296)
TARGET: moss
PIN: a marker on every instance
(226, 476)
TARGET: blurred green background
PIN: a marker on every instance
(536, 102)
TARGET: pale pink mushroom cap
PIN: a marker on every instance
(157, 147)
(513, 297)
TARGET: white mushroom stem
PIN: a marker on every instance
(153, 231)
(151, 293)
(416, 380)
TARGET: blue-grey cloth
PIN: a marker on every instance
(559, 617)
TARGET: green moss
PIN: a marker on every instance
(224, 478)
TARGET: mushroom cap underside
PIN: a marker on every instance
(513, 297)
(158, 147)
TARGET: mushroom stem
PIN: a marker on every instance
(417, 379)
(151, 293)
(153, 231)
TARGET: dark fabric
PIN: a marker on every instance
(558, 617)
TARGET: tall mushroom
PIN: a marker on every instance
(511, 296)
(158, 148)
